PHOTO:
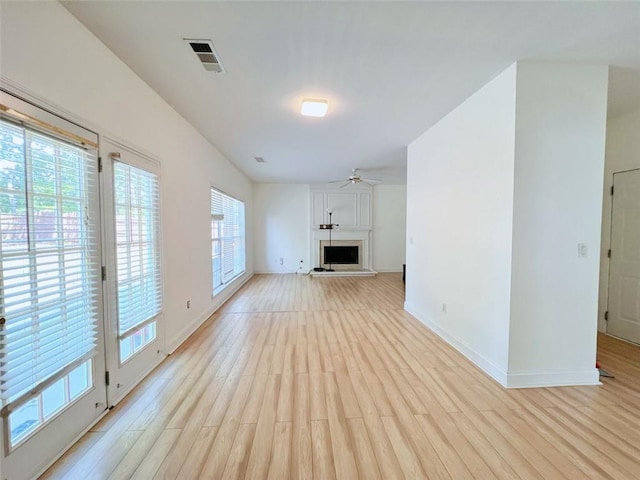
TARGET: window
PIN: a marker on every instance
(50, 281)
(227, 239)
(138, 274)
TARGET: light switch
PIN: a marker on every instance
(582, 250)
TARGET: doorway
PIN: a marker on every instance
(624, 273)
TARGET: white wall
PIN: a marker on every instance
(459, 219)
(389, 227)
(500, 193)
(283, 225)
(560, 141)
(47, 53)
(281, 228)
(622, 153)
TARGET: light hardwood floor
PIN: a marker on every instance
(329, 378)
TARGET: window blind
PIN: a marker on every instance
(227, 235)
(50, 282)
(138, 272)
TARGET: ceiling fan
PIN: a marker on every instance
(355, 178)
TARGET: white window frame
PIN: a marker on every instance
(238, 241)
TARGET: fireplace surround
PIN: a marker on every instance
(339, 237)
(341, 244)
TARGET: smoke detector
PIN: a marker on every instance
(206, 53)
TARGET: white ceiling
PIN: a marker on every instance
(389, 70)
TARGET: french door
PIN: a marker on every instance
(80, 281)
(135, 327)
(52, 358)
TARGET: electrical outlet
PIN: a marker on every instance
(188, 304)
(281, 260)
(444, 308)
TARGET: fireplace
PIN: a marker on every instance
(351, 211)
(341, 254)
(345, 255)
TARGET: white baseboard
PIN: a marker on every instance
(480, 361)
(388, 270)
(511, 380)
(279, 272)
(72, 443)
(134, 384)
(190, 329)
(553, 379)
(220, 300)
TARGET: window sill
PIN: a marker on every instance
(219, 289)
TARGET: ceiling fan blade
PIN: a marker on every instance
(336, 181)
(371, 180)
(342, 186)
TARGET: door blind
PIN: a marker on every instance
(49, 282)
(139, 281)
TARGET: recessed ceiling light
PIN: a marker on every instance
(314, 107)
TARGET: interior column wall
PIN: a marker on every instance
(459, 224)
(559, 164)
(500, 194)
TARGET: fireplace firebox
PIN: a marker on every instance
(341, 255)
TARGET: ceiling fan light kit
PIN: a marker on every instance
(355, 178)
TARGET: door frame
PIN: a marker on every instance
(39, 110)
(608, 299)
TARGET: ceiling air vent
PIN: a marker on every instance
(260, 160)
(207, 54)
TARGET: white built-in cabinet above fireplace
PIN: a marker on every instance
(351, 209)
(351, 206)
